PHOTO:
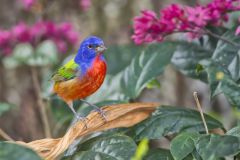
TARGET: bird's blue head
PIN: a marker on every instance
(89, 49)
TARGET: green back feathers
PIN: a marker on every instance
(66, 72)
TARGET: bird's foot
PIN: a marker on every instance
(102, 113)
(83, 119)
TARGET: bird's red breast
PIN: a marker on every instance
(79, 88)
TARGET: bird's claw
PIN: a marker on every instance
(102, 113)
(83, 119)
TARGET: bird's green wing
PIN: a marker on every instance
(66, 72)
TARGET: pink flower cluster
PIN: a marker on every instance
(63, 35)
(27, 4)
(177, 18)
(85, 4)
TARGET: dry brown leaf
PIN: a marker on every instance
(120, 115)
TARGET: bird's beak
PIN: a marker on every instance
(100, 49)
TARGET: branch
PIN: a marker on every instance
(40, 102)
(200, 110)
(119, 115)
(5, 135)
(221, 38)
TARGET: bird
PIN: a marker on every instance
(83, 75)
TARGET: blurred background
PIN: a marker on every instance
(56, 27)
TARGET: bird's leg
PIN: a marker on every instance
(97, 109)
(77, 116)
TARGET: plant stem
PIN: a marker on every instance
(5, 135)
(200, 110)
(208, 32)
(222, 38)
(40, 102)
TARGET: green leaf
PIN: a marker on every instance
(234, 131)
(45, 54)
(119, 57)
(168, 120)
(186, 59)
(22, 52)
(144, 67)
(215, 74)
(225, 52)
(231, 91)
(158, 154)
(211, 147)
(227, 55)
(182, 145)
(4, 107)
(113, 147)
(221, 82)
(10, 62)
(234, 67)
(13, 151)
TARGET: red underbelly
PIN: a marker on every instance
(80, 88)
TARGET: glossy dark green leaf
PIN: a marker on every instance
(231, 90)
(182, 145)
(220, 81)
(168, 120)
(227, 55)
(225, 52)
(11, 151)
(91, 155)
(212, 147)
(158, 154)
(215, 74)
(196, 155)
(234, 67)
(234, 131)
(186, 59)
(112, 147)
(119, 57)
(91, 138)
(146, 66)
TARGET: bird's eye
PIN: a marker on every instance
(90, 46)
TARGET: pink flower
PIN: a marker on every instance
(173, 17)
(237, 32)
(61, 45)
(146, 28)
(85, 4)
(5, 38)
(38, 31)
(27, 4)
(65, 27)
(22, 32)
(63, 34)
(50, 29)
(176, 18)
(7, 51)
(72, 37)
(199, 15)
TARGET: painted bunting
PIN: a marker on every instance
(82, 75)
